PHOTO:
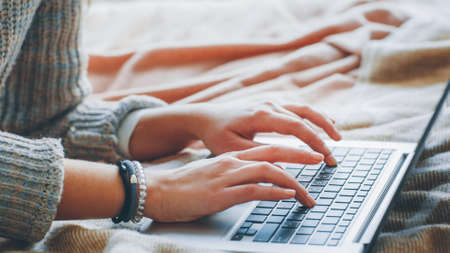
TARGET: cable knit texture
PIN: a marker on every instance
(43, 86)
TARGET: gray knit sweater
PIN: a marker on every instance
(44, 114)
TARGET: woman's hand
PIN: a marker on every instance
(212, 185)
(225, 127)
(232, 126)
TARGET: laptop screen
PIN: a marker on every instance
(426, 141)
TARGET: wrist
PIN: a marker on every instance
(153, 205)
(165, 130)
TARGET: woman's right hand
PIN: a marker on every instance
(212, 185)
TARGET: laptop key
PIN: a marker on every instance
(300, 239)
(324, 202)
(275, 219)
(330, 220)
(341, 175)
(309, 172)
(329, 169)
(351, 186)
(328, 195)
(299, 208)
(267, 204)
(347, 217)
(242, 231)
(280, 212)
(319, 182)
(340, 229)
(366, 187)
(283, 235)
(293, 172)
(339, 182)
(335, 213)
(314, 195)
(313, 166)
(305, 230)
(251, 232)
(290, 224)
(319, 209)
(363, 167)
(360, 173)
(343, 199)
(237, 237)
(325, 228)
(339, 206)
(285, 205)
(310, 223)
(350, 193)
(255, 218)
(263, 211)
(344, 223)
(333, 242)
(344, 170)
(315, 216)
(365, 161)
(349, 164)
(358, 199)
(315, 189)
(266, 232)
(246, 224)
(319, 238)
(357, 180)
(296, 216)
(304, 179)
(332, 188)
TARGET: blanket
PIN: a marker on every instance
(376, 67)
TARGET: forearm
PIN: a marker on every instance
(164, 130)
(90, 190)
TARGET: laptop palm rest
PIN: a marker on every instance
(210, 228)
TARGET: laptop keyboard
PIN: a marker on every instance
(339, 192)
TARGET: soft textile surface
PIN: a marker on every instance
(377, 68)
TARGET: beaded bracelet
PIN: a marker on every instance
(128, 176)
(142, 192)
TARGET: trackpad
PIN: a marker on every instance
(213, 227)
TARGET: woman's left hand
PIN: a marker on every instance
(230, 126)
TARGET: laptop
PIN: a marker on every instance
(352, 200)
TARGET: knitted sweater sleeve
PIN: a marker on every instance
(31, 178)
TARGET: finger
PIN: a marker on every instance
(265, 172)
(249, 192)
(316, 118)
(276, 153)
(271, 122)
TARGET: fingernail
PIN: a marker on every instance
(311, 201)
(330, 160)
(318, 156)
(290, 193)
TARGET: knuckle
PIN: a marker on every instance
(251, 190)
(273, 148)
(269, 103)
(261, 113)
(227, 160)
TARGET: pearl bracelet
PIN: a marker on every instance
(142, 192)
